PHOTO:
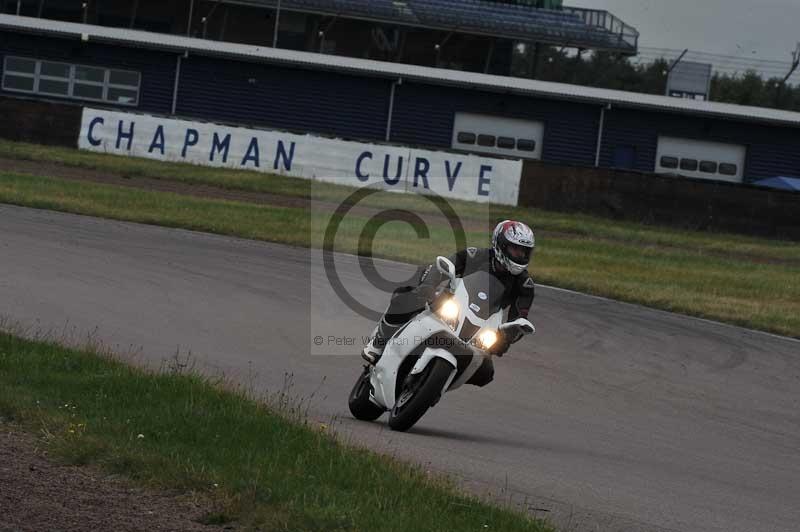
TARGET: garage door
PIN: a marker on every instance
(699, 158)
(497, 135)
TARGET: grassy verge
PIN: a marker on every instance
(738, 279)
(546, 221)
(746, 292)
(181, 431)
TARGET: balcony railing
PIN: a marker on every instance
(605, 21)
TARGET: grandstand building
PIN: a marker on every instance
(171, 74)
(471, 35)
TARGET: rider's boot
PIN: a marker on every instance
(374, 349)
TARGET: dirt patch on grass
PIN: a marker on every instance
(38, 494)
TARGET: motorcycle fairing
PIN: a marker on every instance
(418, 332)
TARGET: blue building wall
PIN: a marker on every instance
(157, 68)
(771, 150)
(356, 107)
(284, 98)
(424, 115)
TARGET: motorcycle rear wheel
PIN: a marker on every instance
(418, 395)
(360, 405)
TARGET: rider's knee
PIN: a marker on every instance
(404, 305)
(484, 375)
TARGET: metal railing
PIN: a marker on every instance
(605, 21)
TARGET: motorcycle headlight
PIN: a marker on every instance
(449, 312)
(487, 339)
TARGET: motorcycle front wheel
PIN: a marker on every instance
(360, 405)
(419, 393)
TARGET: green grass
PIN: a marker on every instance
(133, 167)
(545, 221)
(171, 210)
(682, 279)
(259, 467)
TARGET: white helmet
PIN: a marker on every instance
(513, 244)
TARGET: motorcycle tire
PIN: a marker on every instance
(418, 396)
(360, 405)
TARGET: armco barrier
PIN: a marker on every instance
(39, 122)
(679, 202)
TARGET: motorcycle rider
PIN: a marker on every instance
(507, 260)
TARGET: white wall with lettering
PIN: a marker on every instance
(456, 176)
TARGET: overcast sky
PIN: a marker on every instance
(762, 29)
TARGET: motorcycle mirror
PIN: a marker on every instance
(447, 268)
(524, 325)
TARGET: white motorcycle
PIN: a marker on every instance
(437, 351)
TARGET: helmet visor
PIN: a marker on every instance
(518, 254)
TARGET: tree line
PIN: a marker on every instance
(609, 70)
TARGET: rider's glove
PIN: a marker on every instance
(502, 346)
(507, 337)
(514, 335)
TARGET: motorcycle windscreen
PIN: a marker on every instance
(485, 293)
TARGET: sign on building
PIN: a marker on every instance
(690, 80)
(401, 169)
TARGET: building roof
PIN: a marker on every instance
(436, 76)
(586, 28)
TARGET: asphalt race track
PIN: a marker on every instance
(612, 417)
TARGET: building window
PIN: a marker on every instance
(728, 169)
(66, 80)
(466, 138)
(487, 140)
(19, 74)
(669, 162)
(708, 167)
(689, 165)
(507, 143)
(526, 145)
